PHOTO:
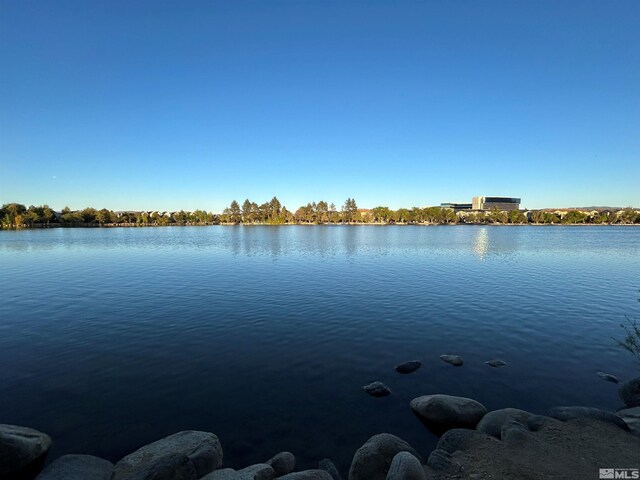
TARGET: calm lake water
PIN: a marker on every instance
(113, 338)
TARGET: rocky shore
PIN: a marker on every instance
(566, 442)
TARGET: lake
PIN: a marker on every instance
(113, 338)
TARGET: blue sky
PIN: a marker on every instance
(184, 105)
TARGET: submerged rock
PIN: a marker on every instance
(444, 412)
(377, 389)
(405, 466)
(78, 467)
(22, 451)
(631, 416)
(182, 456)
(492, 422)
(630, 393)
(409, 367)
(283, 463)
(496, 363)
(328, 466)
(454, 360)
(569, 413)
(608, 377)
(372, 460)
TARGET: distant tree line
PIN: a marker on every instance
(15, 215)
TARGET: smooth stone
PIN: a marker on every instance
(78, 467)
(22, 450)
(608, 377)
(405, 466)
(187, 455)
(259, 471)
(569, 413)
(456, 439)
(536, 422)
(373, 459)
(514, 433)
(630, 393)
(492, 422)
(631, 417)
(377, 389)
(496, 363)
(408, 367)
(440, 460)
(444, 412)
(222, 474)
(283, 463)
(454, 360)
(328, 466)
(315, 474)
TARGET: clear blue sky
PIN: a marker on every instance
(184, 105)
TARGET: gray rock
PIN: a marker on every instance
(78, 467)
(377, 389)
(496, 363)
(569, 413)
(513, 432)
(454, 360)
(409, 367)
(22, 450)
(492, 422)
(283, 463)
(328, 466)
(307, 475)
(456, 439)
(222, 474)
(608, 377)
(631, 417)
(440, 460)
(630, 393)
(187, 455)
(405, 466)
(259, 471)
(536, 422)
(372, 460)
(444, 412)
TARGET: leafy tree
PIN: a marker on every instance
(235, 212)
(349, 210)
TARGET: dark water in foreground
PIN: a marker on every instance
(113, 338)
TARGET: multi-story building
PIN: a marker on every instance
(456, 206)
(500, 203)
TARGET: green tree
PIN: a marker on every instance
(235, 212)
(349, 210)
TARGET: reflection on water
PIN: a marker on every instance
(265, 335)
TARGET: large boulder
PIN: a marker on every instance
(78, 467)
(630, 393)
(405, 466)
(187, 455)
(259, 471)
(222, 474)
(283, 463)
(22, 451)
(456, 439)
(372, 460)
(631, 417)
(569, 413)
(492, 422)
(440, 460)
(328, 466)
(444, 412)
(316, 474)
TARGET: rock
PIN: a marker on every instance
(222, 474)
(259, 471)
(630, 393)
(283, 463)
(631, 417)
(536, 422)
(496, 363)
(492, 422)
(569, 413)
(440, 460)
(405, 466)
(22, 451)
(377, 389)
(608, 377)
(444, 412)
(372, 460)
(307, 475)
(78, 467)
(328, 466)
(454, 360)
(408, 367)
(456, 439)
(513, 432)
(184, 455)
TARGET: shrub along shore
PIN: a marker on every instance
(15, 215)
